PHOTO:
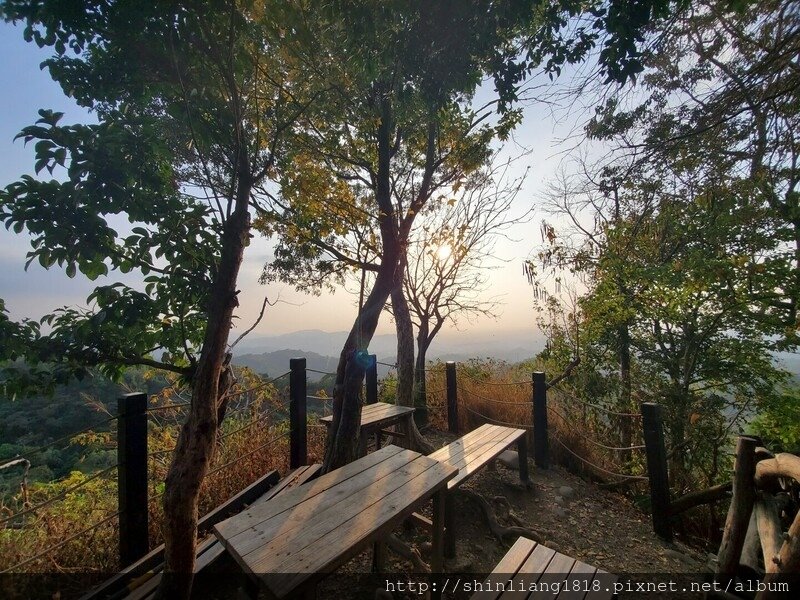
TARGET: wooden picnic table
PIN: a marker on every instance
(290, 542)
(374, 418)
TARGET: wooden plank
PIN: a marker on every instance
(345, 541)
(488, 447)
(554, 575)
(475, 461)
(579, 581)
(605, 583)
(236, 503)
(296, 515)
(529, 572)
(453, 451)
(338, 505)
(508, 565)
(255, 514)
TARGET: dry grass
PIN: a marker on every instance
(495, 392)
(254, 440)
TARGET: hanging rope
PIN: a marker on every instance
(47, 551)
(28, 455)
(490, 383)
(508, 402)
(496, 421)
(597, 406)
(238, 458)
(591, 440)
(58, 496)
(598, 467)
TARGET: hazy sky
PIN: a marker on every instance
(37, 291)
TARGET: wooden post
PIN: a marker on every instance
(657, 469)
(372, 380)
(744, 496)
(452, 397)
(298, 435)
(132, 477)
(541, 443)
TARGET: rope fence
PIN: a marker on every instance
(60, 544)
(64, 438)
(58, 496)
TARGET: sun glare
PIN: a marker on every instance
(443, 252)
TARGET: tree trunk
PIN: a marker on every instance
(195, 447)
(405, 367)
(341, 445)
(420, 385)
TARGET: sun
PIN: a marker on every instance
(443, 252)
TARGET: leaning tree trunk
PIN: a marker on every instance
(341, 446)
(405, 368)
(195, 447)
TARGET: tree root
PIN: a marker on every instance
(407, 552)
(499, 530)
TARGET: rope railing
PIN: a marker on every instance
(258, 386)
(507, 402)
(253, 451)
(493, 383)
(320, 372)
(574, 398)
(27, 455)
(255, 421)
(596, 466)
(58, 496)
(63, 542)
(496, 421)
(591, 440)
(166, 407)
(390, 365)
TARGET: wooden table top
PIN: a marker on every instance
(320, 525)
(376, 415)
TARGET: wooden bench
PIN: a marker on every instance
(375, 418)
(544, 574)
(141, 579)
(471, 453)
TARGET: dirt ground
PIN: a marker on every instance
(596, 526)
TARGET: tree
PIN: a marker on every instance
(192, 100)
(446, 271)
(401, 73)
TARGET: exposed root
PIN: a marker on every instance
(499, 530)
(410, 553)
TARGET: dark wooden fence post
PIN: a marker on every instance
(132, 477)
(541, 442)
(452, 397)
(298, 424)
(372, 380)
(653, 427)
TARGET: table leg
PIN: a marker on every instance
(522, 456)
(378, 440)
(362, 444)
(379, 557)
(449, 526)
(437, 543)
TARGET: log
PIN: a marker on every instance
(751, 551)
(768, 521)
(788, 566)
(744, 494)
(783, 465)
(706, 496)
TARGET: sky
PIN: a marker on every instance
(37, 291)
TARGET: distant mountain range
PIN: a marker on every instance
(271, 354)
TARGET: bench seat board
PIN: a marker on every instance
(528, 563)
(475, 450)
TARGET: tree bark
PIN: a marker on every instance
(420, 385)
(195, 447)
(405, 367)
